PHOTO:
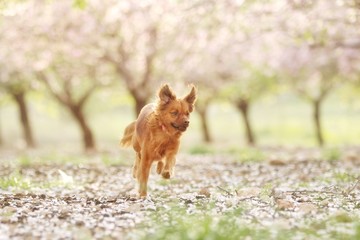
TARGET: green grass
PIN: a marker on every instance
(344, 177)
(331, 154)
(15, 181)
(25, 160)
(177, 224)
(245, 155)
(201, 149)
(241, 154)
(60, 158)
(49, 158)
(21, 183)
(180, 225)
(336, 226)
(339, 177)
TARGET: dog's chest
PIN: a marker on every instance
(161, 148)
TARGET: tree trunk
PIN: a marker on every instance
(87, 135)
(243, 107)
(317, 121)
(202, 110)
(24, 119)
(139, 104)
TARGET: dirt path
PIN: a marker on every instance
(97, 201)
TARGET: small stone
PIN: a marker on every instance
(277, 162)
(204, 192)
(79, 223)
(284, 204)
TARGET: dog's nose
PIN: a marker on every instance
(186, 122)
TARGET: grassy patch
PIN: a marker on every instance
(338, 177)
(58, 158)
(344, 177)
(338, 226)
(201, 149)
(18, 182)
(266, 191)
(111, 160)
(250, 155)
(242, 154)
(15, 181)
(27, 160)
(177, 224)
(331, 154)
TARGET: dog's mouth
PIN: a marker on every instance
(181, 128)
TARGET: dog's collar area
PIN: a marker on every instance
(164, 129)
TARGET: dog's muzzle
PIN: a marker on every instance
(182, 127)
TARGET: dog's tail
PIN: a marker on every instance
(128, 134)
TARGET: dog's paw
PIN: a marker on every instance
(166, 174)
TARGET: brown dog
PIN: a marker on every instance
(155, 135)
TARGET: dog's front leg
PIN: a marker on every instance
(143, 173)
(168, 170)
(160, 167)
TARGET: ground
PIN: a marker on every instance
(293, 196)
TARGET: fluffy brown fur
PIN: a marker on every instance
(155, 135)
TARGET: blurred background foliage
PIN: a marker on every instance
(74, 73)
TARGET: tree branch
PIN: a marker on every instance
(43, 78)
(87, 94)
(150, 57)
(120, 67)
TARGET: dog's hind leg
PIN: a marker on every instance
(143, 173)
(136, 165)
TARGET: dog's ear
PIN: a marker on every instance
(166, 94)
(191, 97)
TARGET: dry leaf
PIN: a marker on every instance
(283, 204)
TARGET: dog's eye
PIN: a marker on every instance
(174, 114)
